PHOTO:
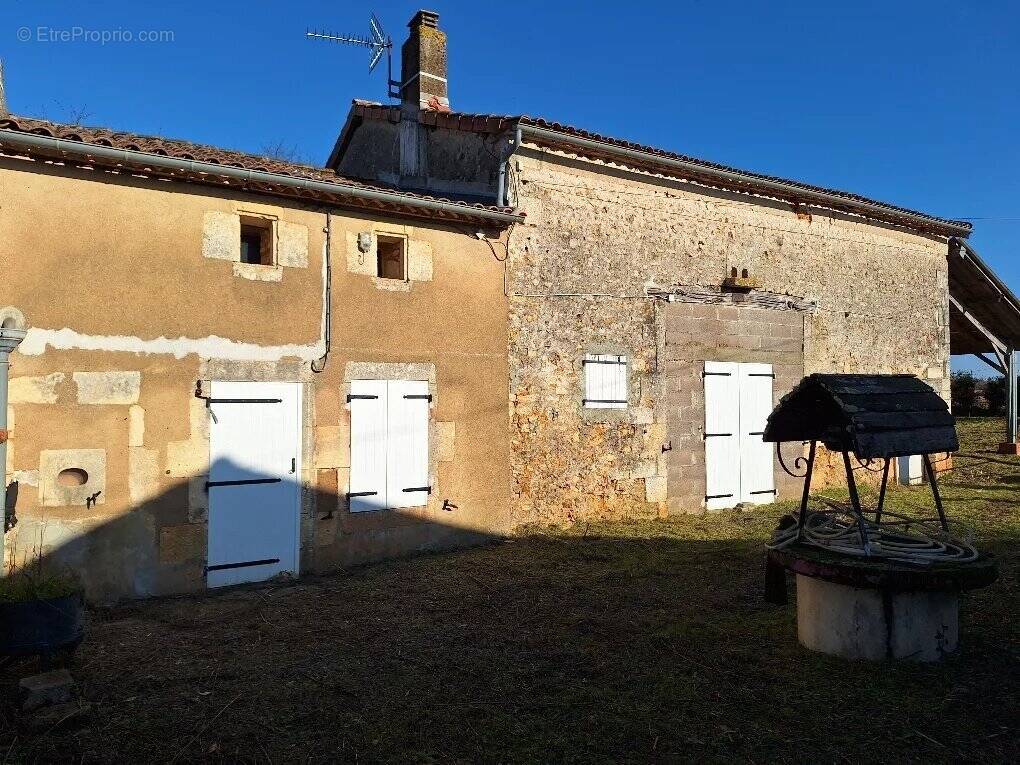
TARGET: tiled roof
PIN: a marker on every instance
(495, 123)
(186, 150)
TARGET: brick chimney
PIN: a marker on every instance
(423, 65)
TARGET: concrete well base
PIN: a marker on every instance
(876, 624)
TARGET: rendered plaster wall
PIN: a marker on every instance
(595, 236)
(132, 314)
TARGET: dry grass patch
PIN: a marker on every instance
(611, 642)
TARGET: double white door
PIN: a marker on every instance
(738, 463)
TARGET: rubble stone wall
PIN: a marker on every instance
(596, 236)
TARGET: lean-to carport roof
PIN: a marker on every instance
(984, 314)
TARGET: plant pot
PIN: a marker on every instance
(42, 626)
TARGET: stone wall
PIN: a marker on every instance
(596, 236)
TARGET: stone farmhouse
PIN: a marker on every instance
(239, 368)
(659, 304)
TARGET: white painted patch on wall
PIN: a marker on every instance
(211, 347)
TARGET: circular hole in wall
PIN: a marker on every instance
(72, 477)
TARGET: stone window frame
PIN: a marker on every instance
(269, 223)
(625, 414)
(418, 255)
(268, 272)
(382, 370)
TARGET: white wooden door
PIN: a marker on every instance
(757, 480)
(389, 444)
(722, 445)
(368, 399)
(254, 481)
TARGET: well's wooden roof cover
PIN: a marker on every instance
(870, 415)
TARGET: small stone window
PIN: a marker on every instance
(391, 257)
(257, 241)
(605, 381)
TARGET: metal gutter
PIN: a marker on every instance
(17, 139)
(780, 188)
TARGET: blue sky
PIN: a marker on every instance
(914, 103)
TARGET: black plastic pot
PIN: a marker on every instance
(42, 627)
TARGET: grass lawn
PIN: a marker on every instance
(622, 642)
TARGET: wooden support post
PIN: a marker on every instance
(1011, 412)
(935, 491)
(855, 500)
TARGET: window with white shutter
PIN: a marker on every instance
(389, 444)
(605, 381)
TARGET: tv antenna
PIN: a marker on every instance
(378, 42)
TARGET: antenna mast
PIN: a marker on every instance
(378, 42)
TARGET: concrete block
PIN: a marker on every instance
(57, 492)
(642, 415)
(644, 469)
(143, 474)
(257, 272)
(108, 387)
(329, 449)
(136, 426)
(221, 236)
(446, 436)
(34, 390)
(182, 543)
(419, 261)
(655, 489)
(198, 499)
(293, 245)
(326, 482)
(198, 419)
(185, 459)
(45, 689)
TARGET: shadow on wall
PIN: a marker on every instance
(257, 527)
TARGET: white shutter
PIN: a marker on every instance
(605, 381)
(910, 470)
(368, 445)
(722, 421)
(757, 480)
(407, 451)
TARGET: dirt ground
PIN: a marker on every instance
(611, 642)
